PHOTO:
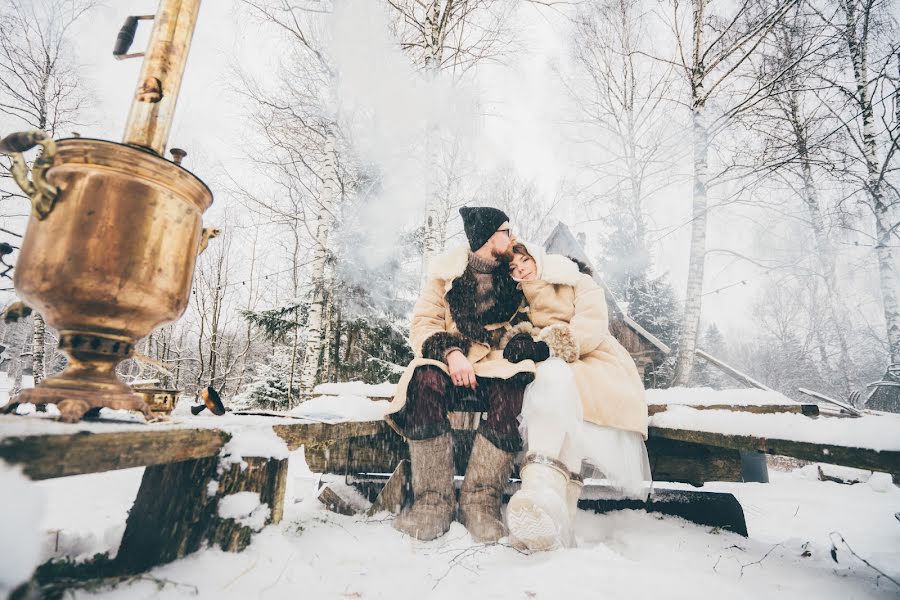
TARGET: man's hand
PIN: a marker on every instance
(522, 347)
(462, 373)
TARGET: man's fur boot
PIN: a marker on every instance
(482, 491)
(538, 514)
(432, 484)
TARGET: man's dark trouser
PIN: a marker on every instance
(431, 395)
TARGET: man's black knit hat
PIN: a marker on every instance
(480, 223)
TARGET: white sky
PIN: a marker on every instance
(523, 101)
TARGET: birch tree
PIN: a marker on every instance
(865, 35)
(798, 137)
(448, 37)
(622, 96)
(302, 131)
(709, 53)
(40, 88)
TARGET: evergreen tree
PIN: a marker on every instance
(705, 374)
(625, 265)
(268, 388)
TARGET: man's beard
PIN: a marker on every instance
(506, 256)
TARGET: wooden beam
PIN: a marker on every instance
(731, 371)
(808, 410)
(60, 455)
(304, 434)
(695, 464)
(862, 458)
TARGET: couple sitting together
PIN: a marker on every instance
(526, 333)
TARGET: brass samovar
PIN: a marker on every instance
(115, 229)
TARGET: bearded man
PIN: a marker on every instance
(466, 304)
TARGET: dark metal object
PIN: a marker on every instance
(126, 37)
(885, 394)
(712, 509)
(754, 468)
(211, 400)
(19, 142)
(177, 155)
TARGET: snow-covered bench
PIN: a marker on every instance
(197, 467)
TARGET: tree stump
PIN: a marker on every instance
(176, 509)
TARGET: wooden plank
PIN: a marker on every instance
(861, 458)
(300, 434)
(808, 410)
(60, 455)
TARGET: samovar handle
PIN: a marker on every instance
(42, 193)
(207, 234)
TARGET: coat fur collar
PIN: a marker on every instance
(450, 264)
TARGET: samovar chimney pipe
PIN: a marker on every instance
(153, 107)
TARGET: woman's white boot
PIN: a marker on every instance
(538, 514)
(573, 493)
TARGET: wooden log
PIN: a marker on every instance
(692, 463)
(167, 518)
(807, 410)
(887, 461)
(333, 502)
(176, 509)
(60, 455)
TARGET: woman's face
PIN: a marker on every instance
(523, 267)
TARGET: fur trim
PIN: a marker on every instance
(582, 266)
(553, 268)
(560, 270)
(522, 327)
(561, 342)
(461, 300)
(437, 344)
(449, 265)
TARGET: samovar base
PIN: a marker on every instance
(74, 403)
(89, 380)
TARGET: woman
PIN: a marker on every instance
(586, 403)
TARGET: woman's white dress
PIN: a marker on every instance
(552, 424)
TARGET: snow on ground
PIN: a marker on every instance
(345, 407)
(20, 537)
(357, 388)
(629, 554)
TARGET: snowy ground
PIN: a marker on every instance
(629, 554)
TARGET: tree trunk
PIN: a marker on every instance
(824, 250)
(37, 348)
(315, 324)
(887, 266)
(434, 231)
(693, 298)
